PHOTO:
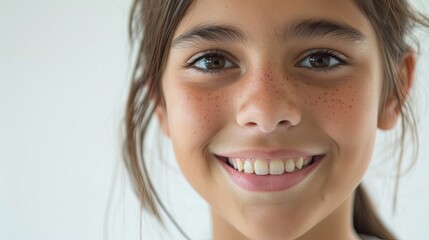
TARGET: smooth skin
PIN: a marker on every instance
(269, 89)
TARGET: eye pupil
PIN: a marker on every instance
(214, 62)
(320, 60)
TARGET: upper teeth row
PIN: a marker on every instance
(274, 167)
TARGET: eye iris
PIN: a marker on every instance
(214, 62)
(320, 60)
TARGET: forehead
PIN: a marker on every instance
(257, 18)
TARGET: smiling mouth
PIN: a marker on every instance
(271, 166)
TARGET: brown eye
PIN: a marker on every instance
(320, 60)
(211, 62)
(324, 59)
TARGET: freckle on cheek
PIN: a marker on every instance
(335, 103)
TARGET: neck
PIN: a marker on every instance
(336, 226)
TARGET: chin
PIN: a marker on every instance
(273, 225)
(272, 233)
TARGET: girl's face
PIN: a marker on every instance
(274, 86)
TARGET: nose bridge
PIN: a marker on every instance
(263, 87)
(269, 82)
(266, 101)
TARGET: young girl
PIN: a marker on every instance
(272, 108)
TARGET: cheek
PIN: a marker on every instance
(350, 107)
(194, 114)
(347, 112)
(194, 117)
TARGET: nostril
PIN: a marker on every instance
(251, 124)
(267, 118)
(268, 127)
(283, 122)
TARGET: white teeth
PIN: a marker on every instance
(248, 167)
(265, 166)
(276, 167)
(240, 165)
(261, 167)
(299, 163)
(289, 166)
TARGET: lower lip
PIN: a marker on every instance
(268, 183)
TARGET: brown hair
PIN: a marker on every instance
(152, 25)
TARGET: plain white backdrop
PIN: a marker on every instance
(64, 74)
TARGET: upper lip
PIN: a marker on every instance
(261, 154)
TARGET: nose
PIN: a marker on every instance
(266, 104)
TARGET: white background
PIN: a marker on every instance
(64, 76)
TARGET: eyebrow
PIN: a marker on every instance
(211, 33)
(304, 29)
(322, 28)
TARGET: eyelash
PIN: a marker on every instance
(205, 54)
(342, 60)
(218, 53)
